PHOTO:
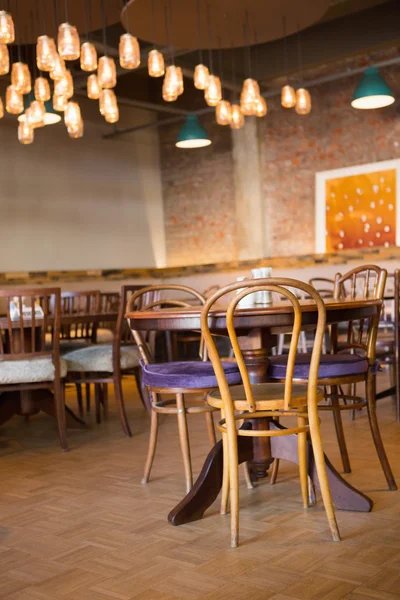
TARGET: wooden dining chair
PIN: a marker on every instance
(180, 378)
(268, 400)
(101, 364)
(109, 303)
(323, 285)
(351, 361)
(29, 361)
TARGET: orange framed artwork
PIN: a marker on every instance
(358, 207)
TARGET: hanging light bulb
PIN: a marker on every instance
(237, 117)
(112, 116)
(65, 86)
(14, 101)
(1, 108)
(7, 35)
(249, 97)
(93, 87)
(173, 83)
(223, 112)
(34, 115)
(129, 51)
(88, 57)
(261, 107)
(76, 131)
(288, 97)
(45, 53)
(213, 92)
(21, 77)
(155, 63)
(303, 102)
(169, 94)
(25, 133)
(59, 69)
(42, 89)
(107, 72)
(68, 42)
(4, 60)
(179, 76)
(108, 101)
(201, 76)
(72, 115)
(59, 103)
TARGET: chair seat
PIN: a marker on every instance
(331, 366)
(267, 396)
(29, 371)
(187, 375)
(99, 358)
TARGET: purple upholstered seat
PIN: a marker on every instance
(187, 374)
(331, 365)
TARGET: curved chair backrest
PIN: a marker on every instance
(323, 285)
(285, 288)
(150, 299)
(366, 282)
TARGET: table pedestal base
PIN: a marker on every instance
(209, 482)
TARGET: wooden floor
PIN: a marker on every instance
(81, 526)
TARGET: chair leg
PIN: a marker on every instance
(247, 477)
(392, 376)
(88, 397)
(233, 478)
(316, 441)
(274, 472)
(210, 428)
(302, 450)
(59, 401)
(184, 441)
(79, 398)
(339, 429)
(121, 405)
(97, 400)
(152, 446)
(376, 434)
(105, 402)
(225, 473)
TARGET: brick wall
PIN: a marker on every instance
(199, 190)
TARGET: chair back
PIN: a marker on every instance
(152, 298)
(29, 314)
(323, 285)
(109, 303)
(285, 288)
(78, 304)
(364, 282)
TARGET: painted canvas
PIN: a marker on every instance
(359, 207)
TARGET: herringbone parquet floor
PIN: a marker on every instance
(80, 526)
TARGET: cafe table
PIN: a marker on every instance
(257, 329)
(30, 402)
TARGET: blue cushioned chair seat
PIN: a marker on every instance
(331, 365)
(188, 374)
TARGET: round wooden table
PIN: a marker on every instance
(257, 329)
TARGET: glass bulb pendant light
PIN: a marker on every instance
(129, 51)
(25, 133)
(21, 77)
(223, 113)
(249, 97)
(108, 101)
(155, 63)
(45, 53)
(42, 89)
(112, 116)
(107, 72)
(93, 87)
(7, 34)
(59, 69)
(172, 84)
(72, 115)
(4, 59)
(303, 102)
(14, 101)
(68, 43)
(169, 94)
(35, 114)
(237, 117)
(201, 77)
(76, 131)
(288, 96)
(1, 108)
(88, 57)
(59, 103)
(179, 76)
(213, 92)
(261, 107)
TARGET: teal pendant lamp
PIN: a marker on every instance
(192, 134)
(372, 91)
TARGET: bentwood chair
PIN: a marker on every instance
(323, 285)
(352, 360)
(101, 364)
(268, 400)
(180, 378)
(30, 359)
